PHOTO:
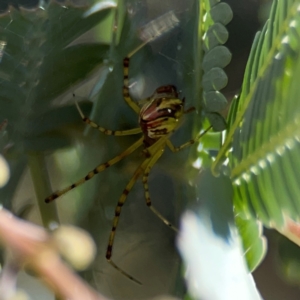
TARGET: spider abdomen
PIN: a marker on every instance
(161, 114)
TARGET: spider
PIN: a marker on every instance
(158, 118)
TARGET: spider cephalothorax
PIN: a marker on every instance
(161, 114)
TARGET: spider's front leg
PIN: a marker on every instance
(104, 130)
(189, 143)
(126, 95)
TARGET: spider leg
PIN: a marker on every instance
(104, 130)
(126, 94)
(118, 209)
(191, 142)
(151, 163)
(97, 170)
(123, 272)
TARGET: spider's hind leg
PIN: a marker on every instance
(153, 160)
(118, 209)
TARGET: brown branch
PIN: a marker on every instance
(33, 248)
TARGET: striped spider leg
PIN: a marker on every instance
(159, 117)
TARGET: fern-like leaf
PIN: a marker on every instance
(264, 124)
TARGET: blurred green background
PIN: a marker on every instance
(144, 246)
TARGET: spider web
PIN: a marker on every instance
(144, 246)
(141, 237)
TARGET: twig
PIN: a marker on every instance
(33, 248)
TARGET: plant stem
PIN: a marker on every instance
(41, 182)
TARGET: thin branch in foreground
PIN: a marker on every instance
(33, 248)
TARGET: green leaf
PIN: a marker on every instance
(55, 119)
(214, 16)
(87, 58)
(67, 23)
(214, 80)
(254, 243)
(221, 13)
(216, 35)
(264, 127)
(218, 57)
(37, 66)
(214, 101)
